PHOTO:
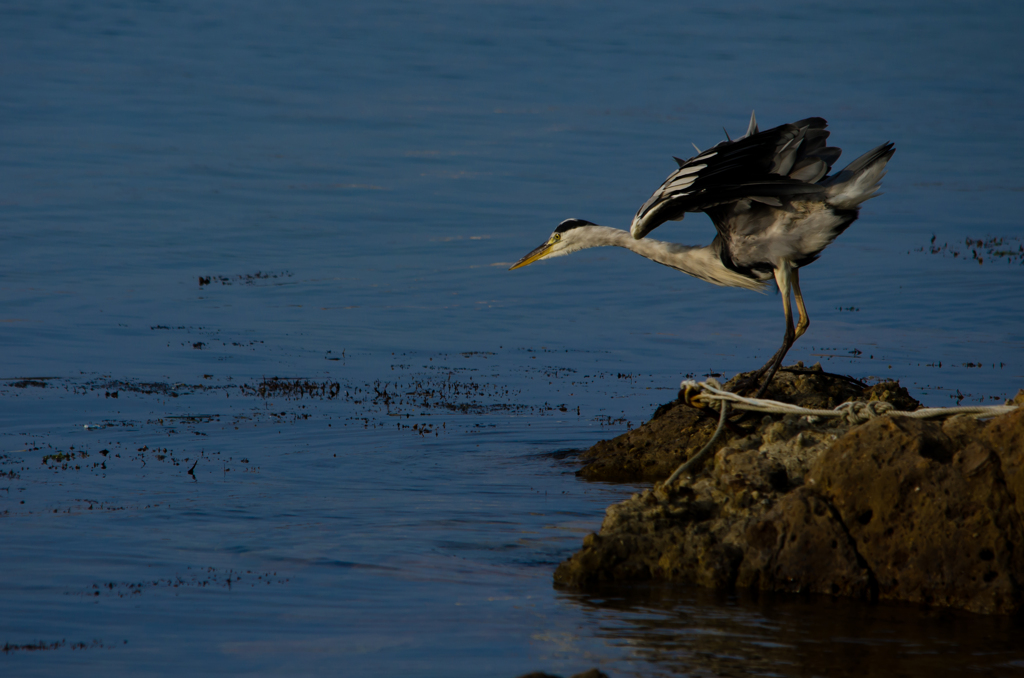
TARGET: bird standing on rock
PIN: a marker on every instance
(773, 202)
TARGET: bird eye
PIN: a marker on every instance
(555, 237)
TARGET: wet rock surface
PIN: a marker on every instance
(924, 511)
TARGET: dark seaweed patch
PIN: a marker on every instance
(244, 279)
(25, 383)
(293, 388)
(200, 578)
(993, 249)
(56, 645)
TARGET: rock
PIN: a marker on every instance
(931, 514)
(1005, 436)
(801, 546)
(894, 509)
(677, 431)
(654, 450)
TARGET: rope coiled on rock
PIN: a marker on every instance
(854, 412)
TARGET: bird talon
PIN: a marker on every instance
(748, 384)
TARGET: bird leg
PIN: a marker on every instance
(784, 281)
(788, 281)
(791, 334)
(804, 321)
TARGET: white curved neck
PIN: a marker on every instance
(700, 262)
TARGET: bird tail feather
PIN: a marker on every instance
(860, 180)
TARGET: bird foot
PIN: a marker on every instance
(751, 384)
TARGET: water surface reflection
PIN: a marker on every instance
(688, 631)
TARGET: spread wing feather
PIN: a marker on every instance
(782, 162)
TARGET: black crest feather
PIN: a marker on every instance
(570, 224)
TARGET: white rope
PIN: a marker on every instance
(855, 412)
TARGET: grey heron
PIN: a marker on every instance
(774, 205)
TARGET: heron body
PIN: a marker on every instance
(774, 205)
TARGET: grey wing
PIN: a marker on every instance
(778, 163)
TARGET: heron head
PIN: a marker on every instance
(562, 241)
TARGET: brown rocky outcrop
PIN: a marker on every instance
(925, 511)
(675, 432)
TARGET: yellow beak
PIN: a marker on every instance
(533, 256)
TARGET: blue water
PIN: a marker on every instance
(355, 179)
